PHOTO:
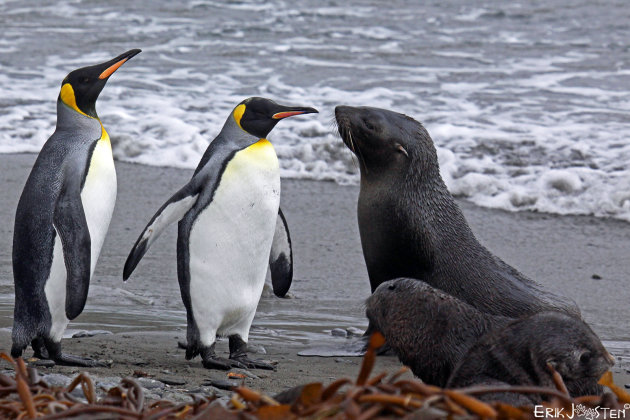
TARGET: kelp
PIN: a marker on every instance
(27, 396)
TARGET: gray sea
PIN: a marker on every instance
(527, 101)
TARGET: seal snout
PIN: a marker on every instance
(342, 111)
(376, 307)
(604, 362)
(378, 304)
(344, 126)
(342, 116)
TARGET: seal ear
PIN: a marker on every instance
(401, 149)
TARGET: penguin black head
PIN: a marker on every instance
(80, 88)
(258, 116)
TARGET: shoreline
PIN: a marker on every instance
(565, 253)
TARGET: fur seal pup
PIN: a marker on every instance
(410, 225)
(429, 330)
(518, 354)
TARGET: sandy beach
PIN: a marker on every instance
(583, 257)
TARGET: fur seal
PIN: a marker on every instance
(410, 225)
(429, 330)
(518, 354)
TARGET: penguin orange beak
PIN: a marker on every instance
(115, 64)
(293, 111)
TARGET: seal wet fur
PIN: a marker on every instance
(518, 354)
(429, 330)
(410, 225)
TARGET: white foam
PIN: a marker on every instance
(534, 120)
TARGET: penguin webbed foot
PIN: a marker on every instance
(238, 353)
(238, 357)
(252, 363)
(65, 359)
(39, 349)
(221, 363)
(210, 360)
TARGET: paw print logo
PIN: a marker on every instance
(587, 413)
(579, 409)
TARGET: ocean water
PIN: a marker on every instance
(528, 102)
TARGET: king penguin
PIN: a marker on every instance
(230, 228)
(62, 217)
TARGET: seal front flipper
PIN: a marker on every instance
(71, 225)
(171, 211)
(281, 257)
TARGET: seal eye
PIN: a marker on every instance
(585, 358)
(368, 124)
(391, 287)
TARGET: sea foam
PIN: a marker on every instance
(529, 108)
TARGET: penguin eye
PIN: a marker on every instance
(391, 287)
(85, 80)
(585, 357)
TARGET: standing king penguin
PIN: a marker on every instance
(62, 218)
(230, 228)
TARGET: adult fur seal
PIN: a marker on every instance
(427, 329)
(410, 225)
(519, 353)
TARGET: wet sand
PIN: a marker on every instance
(583, 257)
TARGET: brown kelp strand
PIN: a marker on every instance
(27, 396)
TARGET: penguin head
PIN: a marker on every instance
(80, 88)
(258, 116)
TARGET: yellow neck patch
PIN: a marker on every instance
(104, 134)
(238, 114)
(260, 145)
(67, 97)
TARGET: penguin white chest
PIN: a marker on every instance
(99, 196)
(230, 242)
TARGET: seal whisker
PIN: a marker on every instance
(342, 131)
(353, 155)
(357, 152)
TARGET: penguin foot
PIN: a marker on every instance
(252, 363)
(238, 353)
(221, 363)
(70, 360)
(43, 363)
(62, 359)
(210, 360)
(39, 348)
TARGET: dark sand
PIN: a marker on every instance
(146, 314)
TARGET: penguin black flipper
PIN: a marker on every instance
(193, 340)
(171, 211)
(281, 258)
(71, 226)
